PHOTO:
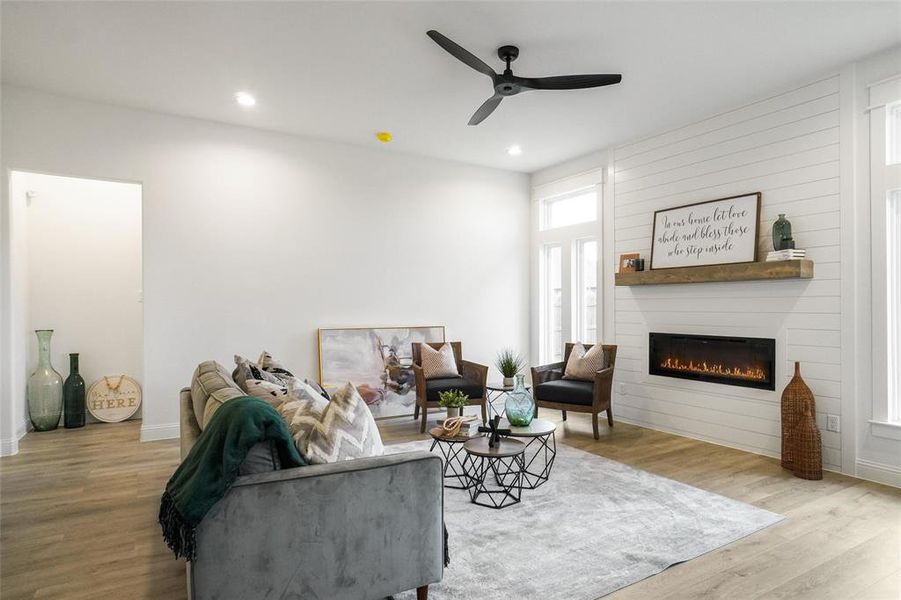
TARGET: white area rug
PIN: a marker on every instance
(597, 526)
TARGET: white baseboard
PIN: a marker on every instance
(879, 472)
(166, 431)
(9, 447)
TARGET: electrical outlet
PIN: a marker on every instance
(833, 423)
(622, 388)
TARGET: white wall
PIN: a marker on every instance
(787, 147)
(806, 149)
(254, 239)
(83, 245)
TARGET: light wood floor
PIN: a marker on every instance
(78, 519)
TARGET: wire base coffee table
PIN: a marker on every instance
(453, 456)
(497, 392)
(539, 453)
(495, 474)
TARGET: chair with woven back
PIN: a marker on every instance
(472, 381)
(552, 390)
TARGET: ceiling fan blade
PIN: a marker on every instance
(568, 82)
(486, 109)
(461, 53)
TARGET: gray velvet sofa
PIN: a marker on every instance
(356, 530)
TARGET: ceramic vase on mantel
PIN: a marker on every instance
(45, 388)
(782, 233)
(794, 399)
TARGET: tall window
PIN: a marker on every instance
(885, 211)
(566, 242)
(587, 290)
(552, 304)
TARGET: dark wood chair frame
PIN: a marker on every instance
(603, 386)
(468, 369)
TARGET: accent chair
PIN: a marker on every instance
(551, 390)
(472, 381)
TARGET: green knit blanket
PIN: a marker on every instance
(209, 470)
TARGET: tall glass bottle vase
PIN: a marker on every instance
(73, 396)
(519, 407)
(45, 388)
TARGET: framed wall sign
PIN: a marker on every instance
(715, 232)
(114, 398)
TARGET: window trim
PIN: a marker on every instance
(884, 178)
(545, 203)
(578, 253)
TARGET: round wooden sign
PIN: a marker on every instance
(114, 398)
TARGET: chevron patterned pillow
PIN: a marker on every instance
(345, 430)
(582, 365)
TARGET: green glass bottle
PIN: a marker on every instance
(73, 395)
(782, 231)
(45, 388)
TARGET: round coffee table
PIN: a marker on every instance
(496, 391)
(453, 457)
(481, 461)
(540, 451)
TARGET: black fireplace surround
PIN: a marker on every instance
(741, 361)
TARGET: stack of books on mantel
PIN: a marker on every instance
(789, 254)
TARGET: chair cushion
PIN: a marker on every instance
(566, 391)
(440, 363)
(433, 387)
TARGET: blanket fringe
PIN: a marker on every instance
(178, 533)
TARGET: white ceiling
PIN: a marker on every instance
(342, 70)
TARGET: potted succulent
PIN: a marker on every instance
(453, 401)
(509, 364)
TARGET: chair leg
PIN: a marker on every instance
(564, 414)
(594, 425)
(425, 417)
(416, 411)
(610, 416)
(484, 412)
(422, 592)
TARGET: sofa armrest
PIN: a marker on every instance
(189, 429)
(548, 372)
(475, 372)
(365, 528)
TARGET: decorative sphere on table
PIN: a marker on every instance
(519, 407)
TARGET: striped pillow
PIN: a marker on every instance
(344, 430)
(438, 363)
(582, 365)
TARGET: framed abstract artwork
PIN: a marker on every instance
(377, 360)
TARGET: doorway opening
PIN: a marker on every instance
(77, 269)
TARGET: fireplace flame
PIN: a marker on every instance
(718, 369)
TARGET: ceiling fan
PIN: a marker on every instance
(508, 84)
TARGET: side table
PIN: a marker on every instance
(496, 391)
(452, 455)
(484, 464)
(540, 450)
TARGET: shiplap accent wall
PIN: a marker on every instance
(787, 147)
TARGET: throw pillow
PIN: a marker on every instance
(582, 364)
(270, 365)
(302, 414)
(319, 389)
(438, 363)
(246, 370)
(346, 430)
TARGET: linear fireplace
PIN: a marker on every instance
(741, 361)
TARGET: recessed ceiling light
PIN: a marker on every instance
(514, 150)
(245, 99)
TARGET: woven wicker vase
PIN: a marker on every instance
(793, 398)
(807, 461)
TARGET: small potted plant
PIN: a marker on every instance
(453, 401)
(509, 364)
